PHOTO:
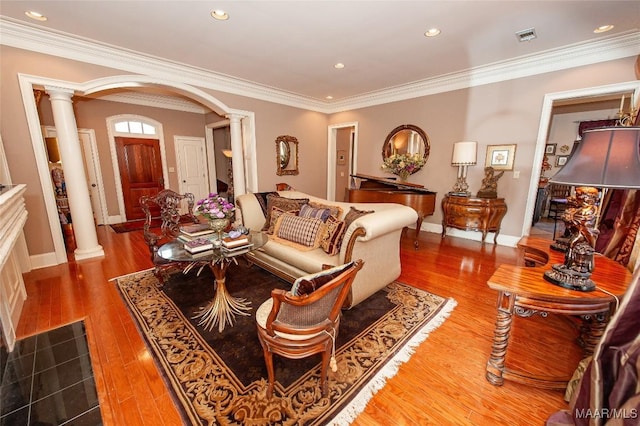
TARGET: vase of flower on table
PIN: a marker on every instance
(403, 165)
(218, 211)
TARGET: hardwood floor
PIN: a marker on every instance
(443, 383)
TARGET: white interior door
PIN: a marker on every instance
(89, 148)
(192, 171)
(94, 174)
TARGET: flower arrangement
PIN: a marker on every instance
(215, 207)
(403, 165)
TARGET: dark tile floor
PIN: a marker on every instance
(48, 380)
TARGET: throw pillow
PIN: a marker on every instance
(353, 214)
(283, 203)
(262, 200)
(307, 211)
(274, 216)
(332, 236)
(336, 211)
(307, 284)
(302, 232)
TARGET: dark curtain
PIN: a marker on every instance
(620, 229)
(594, 124)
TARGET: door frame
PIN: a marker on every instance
(94, 173)
(544, 127)
(332, 132)
(112, 134)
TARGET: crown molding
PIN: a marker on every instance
(20, 35)
(156, 101)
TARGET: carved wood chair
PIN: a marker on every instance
(298, 326)
(165, 205)
(558, 203)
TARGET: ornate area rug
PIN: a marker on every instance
(220, 378)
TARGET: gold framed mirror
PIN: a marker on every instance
(407, 139)
(286, 155)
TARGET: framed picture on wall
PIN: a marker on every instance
(561, 160)
(500, 157)
(341, 157)
(550, 149)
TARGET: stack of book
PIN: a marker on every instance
(236, 245)
(198, 245)
(195, 231)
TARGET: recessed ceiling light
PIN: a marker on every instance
(432, 32)
(220, 15)
(329, 97)
(603, 29)
(339, 66)
(35, 15)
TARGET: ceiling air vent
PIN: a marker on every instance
(526, 35)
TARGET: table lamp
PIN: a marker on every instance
(464, 154)
(607, 157)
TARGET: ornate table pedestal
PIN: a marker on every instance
(523, 292)
(223, 308)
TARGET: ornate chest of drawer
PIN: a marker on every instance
(473, 214)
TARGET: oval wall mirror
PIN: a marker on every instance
(407, 139)
(286, 155)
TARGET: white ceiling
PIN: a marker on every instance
(292, 46)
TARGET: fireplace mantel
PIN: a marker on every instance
(13, 216)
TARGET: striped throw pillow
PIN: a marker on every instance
(307, 211)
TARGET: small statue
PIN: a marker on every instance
(57, 175)
(489, 187)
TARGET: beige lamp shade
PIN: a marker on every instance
(52, 150)
(464, 153)
(608, 157)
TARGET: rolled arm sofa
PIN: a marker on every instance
(372, 237)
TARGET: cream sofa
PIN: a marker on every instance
(374, 238)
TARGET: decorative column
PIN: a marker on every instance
(237, 163)
(76, 182)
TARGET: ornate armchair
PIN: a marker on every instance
(305, 321)
(165, 205)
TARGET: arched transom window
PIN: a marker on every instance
(134, 127)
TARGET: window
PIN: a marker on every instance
(135, 127)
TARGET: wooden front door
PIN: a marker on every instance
(140, 172)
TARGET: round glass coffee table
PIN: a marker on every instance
(224, 307)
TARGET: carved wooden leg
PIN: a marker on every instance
(495, 365)
(324, 370)
(268, 359)
(591, 332)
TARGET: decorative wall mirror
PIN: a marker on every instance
(407, 139)
(286, 155)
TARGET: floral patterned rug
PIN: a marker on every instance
(220, 378)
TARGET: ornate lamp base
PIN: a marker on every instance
(461, 187)
(565, 277)
(561, 244)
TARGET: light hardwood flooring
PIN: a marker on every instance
(442, 384)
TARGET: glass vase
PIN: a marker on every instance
(219, 225)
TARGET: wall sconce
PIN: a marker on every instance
(52, 150)
(607, 157)
(464, 154)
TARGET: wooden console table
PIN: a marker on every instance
(473, 214)
(524, 292)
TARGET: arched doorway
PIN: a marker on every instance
(243, 136)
